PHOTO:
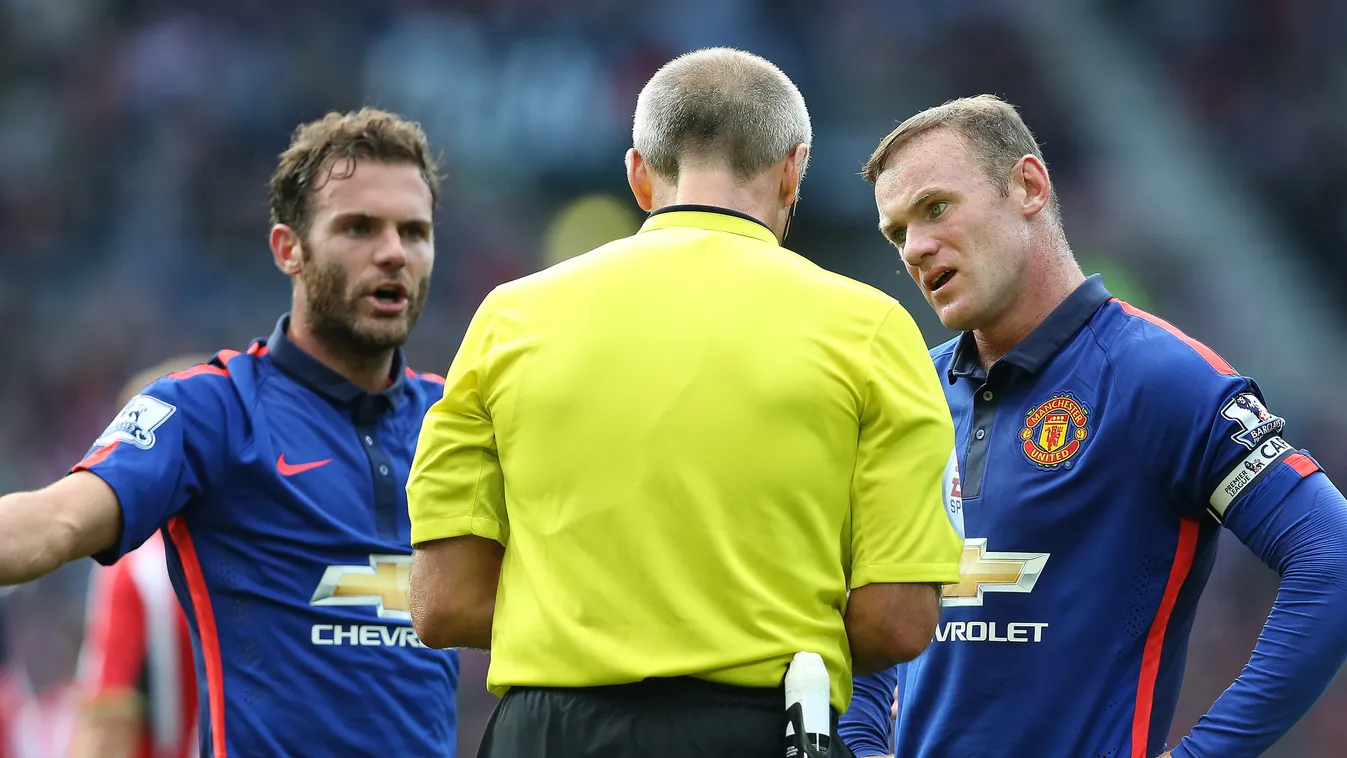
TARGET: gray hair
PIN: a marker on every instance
(722, 105)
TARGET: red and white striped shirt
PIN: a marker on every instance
(137, 642)
(35, 725)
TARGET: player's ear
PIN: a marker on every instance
(1030, 185)
(286, 249)
(638, 178)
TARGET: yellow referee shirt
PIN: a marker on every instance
(691, 442)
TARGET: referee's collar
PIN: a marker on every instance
(712, 218)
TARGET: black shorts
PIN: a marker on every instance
(656, 718)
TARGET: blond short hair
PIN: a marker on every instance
(719, 105)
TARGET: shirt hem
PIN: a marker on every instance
(457, 526)
(918, 573)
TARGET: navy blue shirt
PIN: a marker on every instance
(1099, 458)
(280, 487)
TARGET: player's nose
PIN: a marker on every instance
(918, 246)
(391, 251)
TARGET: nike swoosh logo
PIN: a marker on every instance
(290, 469)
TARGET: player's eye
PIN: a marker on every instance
(360, 227)
(937, 209)
(900, 237)
(415, 232)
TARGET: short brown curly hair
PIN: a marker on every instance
(318, 146)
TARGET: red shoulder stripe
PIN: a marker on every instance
(198, 370)
(1216, 361)
(95, 458)
(436, 378)
(221, 357)
(257, 350)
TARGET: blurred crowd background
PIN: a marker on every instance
(1198, 147)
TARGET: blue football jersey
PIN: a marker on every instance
(1098, 459)
(280, 488)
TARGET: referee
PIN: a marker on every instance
(658, 468)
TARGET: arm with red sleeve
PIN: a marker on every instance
(163, 449)
(867, 726)
(113, 654)
(112, 662)
(1225, 457)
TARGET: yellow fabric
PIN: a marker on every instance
(691, 441)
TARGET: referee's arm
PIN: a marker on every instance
(903, 545)
(456, 500)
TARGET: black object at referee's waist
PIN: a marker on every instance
(681, 689)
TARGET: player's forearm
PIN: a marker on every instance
(1303, 646)
(1304, 643)
(867, 725)
(35, 539)
(41, 531)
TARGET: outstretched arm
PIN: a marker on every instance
(43, 530)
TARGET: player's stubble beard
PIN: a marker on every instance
(335, 318)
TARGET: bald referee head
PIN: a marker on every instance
(659, 467)
(724, 128)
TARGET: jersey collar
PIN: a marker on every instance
(290, 358)
(711, 218)
(1042, 343)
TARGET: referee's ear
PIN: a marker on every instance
(638, 178)
(796, 163)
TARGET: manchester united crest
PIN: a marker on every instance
(1055, 430)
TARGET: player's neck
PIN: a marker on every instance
(369, 372)
(1048, 285)
(722, 190)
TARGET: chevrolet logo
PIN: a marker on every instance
(384, 583)
(982, 571)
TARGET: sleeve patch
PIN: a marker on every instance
(1256, 423)
(953, 494)
(1249, 471)
(135, 424)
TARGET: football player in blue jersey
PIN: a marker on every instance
(277, 474)
(1101, 452)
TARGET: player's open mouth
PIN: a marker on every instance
(939, 278)
(390, 298)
